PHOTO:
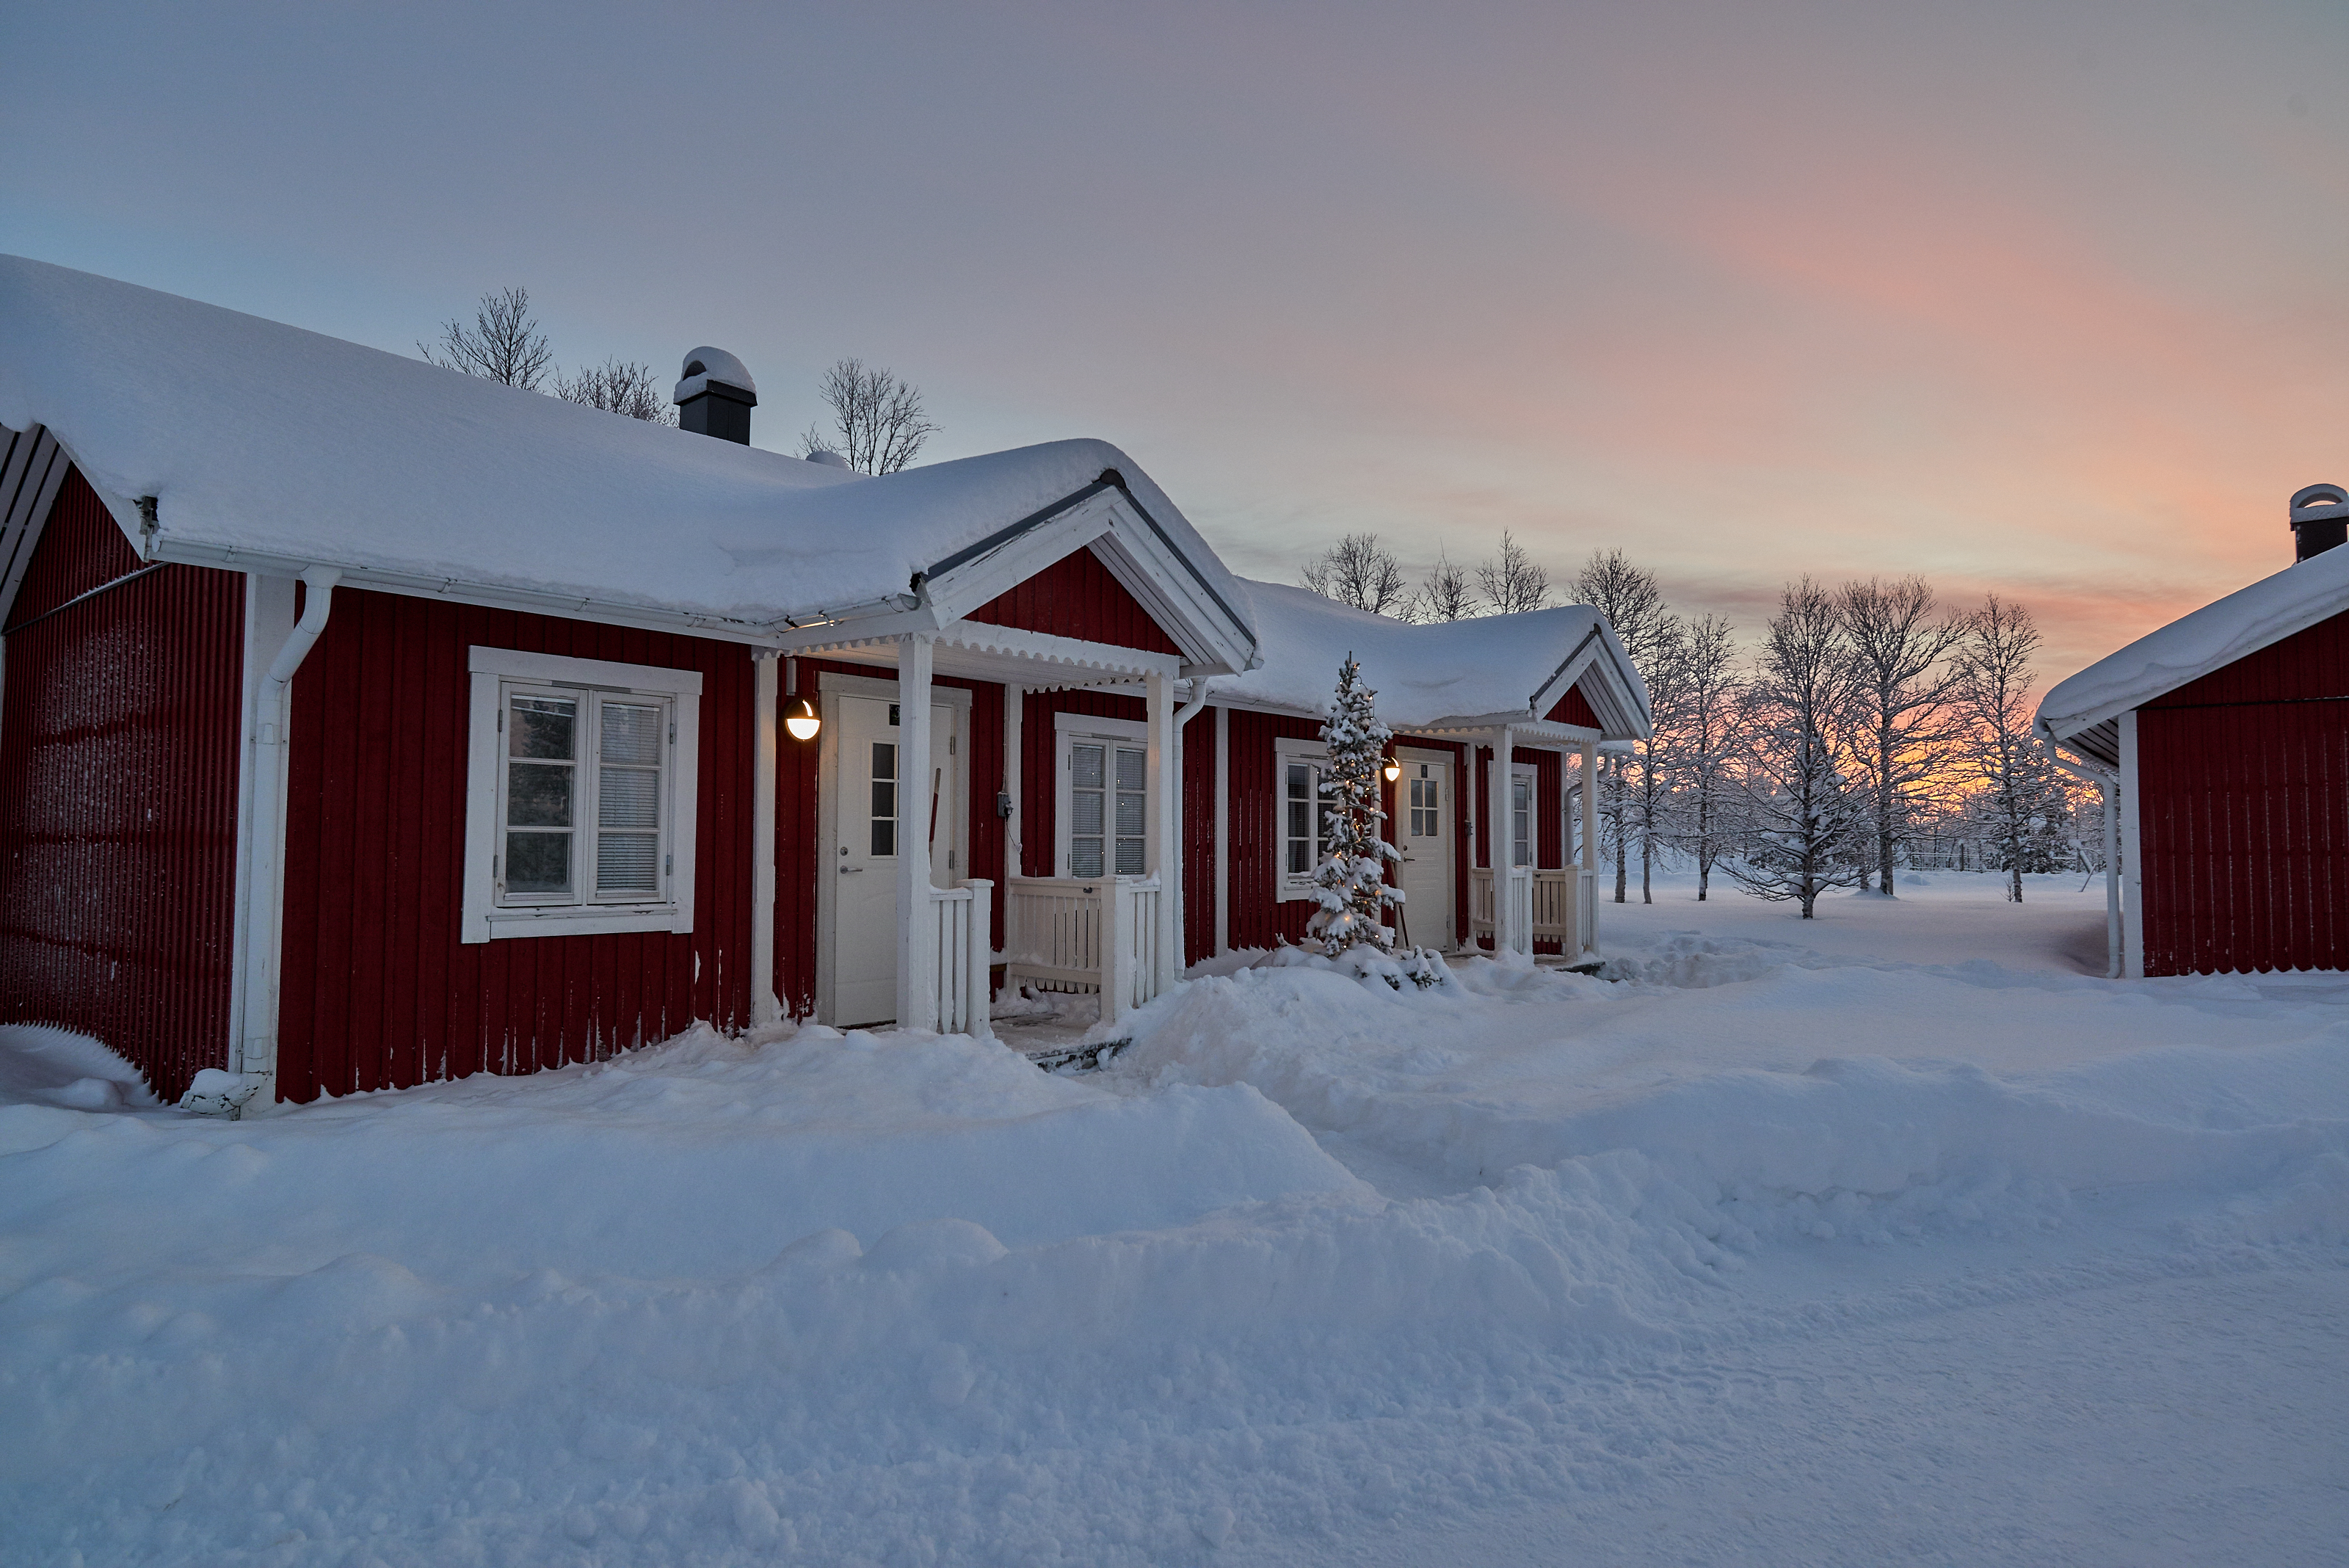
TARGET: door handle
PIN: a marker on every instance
(851, 870)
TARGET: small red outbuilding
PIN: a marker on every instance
(2222, 741)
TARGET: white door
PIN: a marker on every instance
(1424, 807)
(870, 805)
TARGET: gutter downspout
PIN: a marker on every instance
(1183, 716)
(256, 1053)
(2109, 792)
(765, 1007)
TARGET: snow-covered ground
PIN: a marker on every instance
(1892, 1236)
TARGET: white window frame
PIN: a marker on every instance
(1414, 773)
(497, 673)
(1288, 887)
(1068, 729)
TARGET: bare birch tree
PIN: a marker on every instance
(1706, 818)
(1649, 797)
(1808, 823)
(2025, 802)
(618, 387)
(1443, 594)
(1357, 571)
(502, 345)
(1628, 596)
(1904, 688)
(1511, 580)
(878, 418)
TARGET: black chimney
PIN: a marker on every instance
(716, 395)
(2320, 519)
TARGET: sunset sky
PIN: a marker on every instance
(2053, 300)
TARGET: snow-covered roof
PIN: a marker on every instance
(1430, 677)
(271, 447)
(2080, 711)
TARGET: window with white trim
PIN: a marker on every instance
(580, 793)
(1300, 813)
(1104, 797)
(1521, 814)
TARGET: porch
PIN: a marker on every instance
(925, 915)
(1560, 906)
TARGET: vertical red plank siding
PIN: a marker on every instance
(1077, 596)
(2241, 831)
(1257, 916)
(799, 827)
(2244, 808)
(1573, 708)
(377, 992)
(1198, 828)
(1484, 827)
(1039, 766)
(2310, 664)
(119, 768)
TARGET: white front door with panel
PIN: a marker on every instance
(1423, 805)
(871, 807)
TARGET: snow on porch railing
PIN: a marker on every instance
(1058, 932)
(959, 967)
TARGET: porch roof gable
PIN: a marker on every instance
(1447, 676)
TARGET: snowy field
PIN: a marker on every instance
(1896, 1236)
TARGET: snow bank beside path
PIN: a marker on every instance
(1856, 1145)
(697, 1159)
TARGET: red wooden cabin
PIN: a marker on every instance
(2222, 745)
(362, 723)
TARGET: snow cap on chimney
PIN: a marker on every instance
(829, 458)
(717, 395)
(2320, 519)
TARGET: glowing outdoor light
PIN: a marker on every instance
(1394, 770)
(803, 720)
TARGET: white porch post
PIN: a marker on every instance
(1165, 844)
(764, 1007)
(917, 994)
(2110, 792)
(1499, 848)
(1589, 843)
(2132, 857)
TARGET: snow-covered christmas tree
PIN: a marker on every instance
(1350, 883)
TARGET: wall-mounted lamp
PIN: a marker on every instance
(800, 716)
(1394, 770)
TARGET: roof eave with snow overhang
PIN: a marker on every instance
(2083, 712)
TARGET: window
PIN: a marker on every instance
(1104, 797)
(1302, 804)
(579, 797)
(884, 792)
(1426, 802)
(1521, 816)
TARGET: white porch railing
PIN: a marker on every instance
(958, 922)
(1558, 905)
(1064, 934)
